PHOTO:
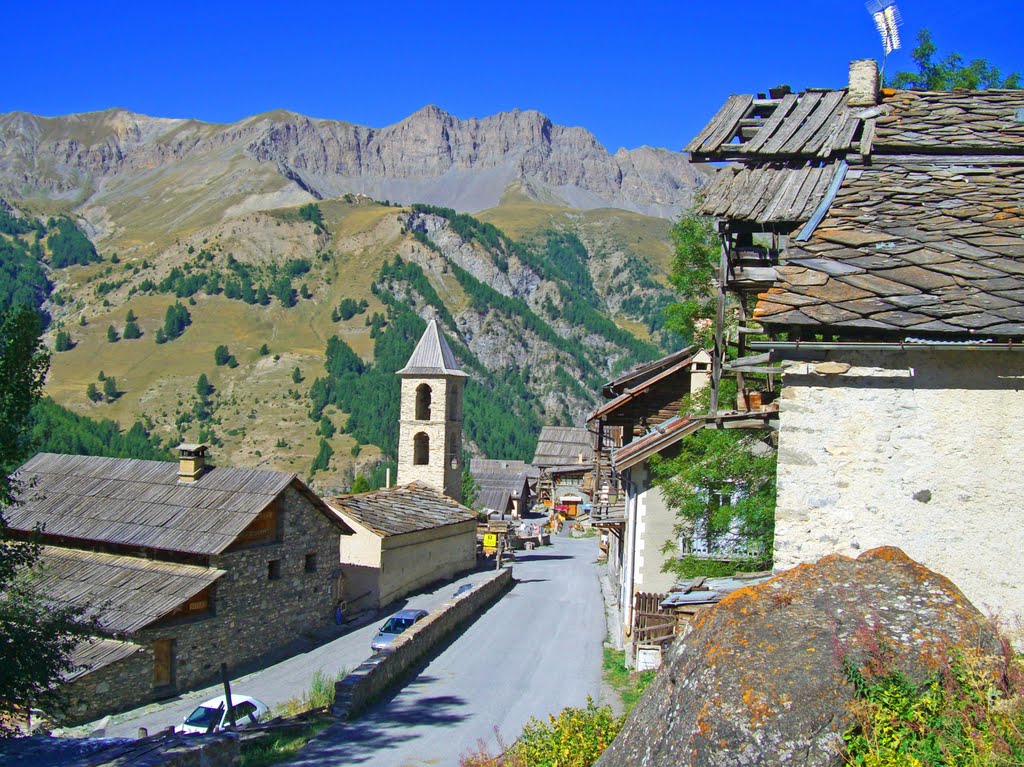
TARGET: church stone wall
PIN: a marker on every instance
(445, 435)
(916, 449)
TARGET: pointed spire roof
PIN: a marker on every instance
(432, 356)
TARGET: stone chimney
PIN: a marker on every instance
(863, 83)
(191, 462)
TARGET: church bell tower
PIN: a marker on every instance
(430, 427)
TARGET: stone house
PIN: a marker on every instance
(187, 566)
(894, 300)
(405, 537)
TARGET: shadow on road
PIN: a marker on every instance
(542, 557)
(368, 740)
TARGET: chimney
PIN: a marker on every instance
(863, 83)
(191, 462)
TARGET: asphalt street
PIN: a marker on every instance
(281, 681)
(532, 653)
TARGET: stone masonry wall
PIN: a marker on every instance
(917, 449)
(444, 430)
(413, 560)
(374, 676)
(252, 616)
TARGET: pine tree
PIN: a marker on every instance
(112, 336)
(110, 391)
(203, 387)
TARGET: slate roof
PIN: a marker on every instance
(923, 248)
(432, 355)
(915, 208)
(402, 509)
(563, 445)
(127, 593)
(131, 502)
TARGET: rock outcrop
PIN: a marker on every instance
(762, 677)
(430, 156)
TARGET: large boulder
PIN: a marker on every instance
(762, 678)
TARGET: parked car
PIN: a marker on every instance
(213, 712)
(395, 625)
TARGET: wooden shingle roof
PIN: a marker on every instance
(402, 509)
(94, 654)
(126, 593)
(498, 481)
(563, 445)
(131, 502)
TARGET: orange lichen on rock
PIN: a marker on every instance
(772, 658)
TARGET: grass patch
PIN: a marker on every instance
(274, 749)
(629, 684)
(319, 694)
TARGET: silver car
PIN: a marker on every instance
(395, 625)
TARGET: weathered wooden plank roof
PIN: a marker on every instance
(922, 249)
(498, 481)
(814, 125)
(563, 445)
(94, 654)
(770, 194)
(141, 503)
(402, 509)
(126, 593)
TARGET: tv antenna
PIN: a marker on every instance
(887, 21)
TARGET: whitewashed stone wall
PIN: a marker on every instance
(444, 430)
(917, 449)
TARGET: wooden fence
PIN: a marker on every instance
(651, 623)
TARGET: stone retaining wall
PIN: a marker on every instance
(360, 688)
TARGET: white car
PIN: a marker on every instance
(213, 713)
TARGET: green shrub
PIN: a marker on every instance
(574, 738)
(970, 712)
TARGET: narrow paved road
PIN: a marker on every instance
(534, 652)
(281, 681)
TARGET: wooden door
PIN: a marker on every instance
(163, 662)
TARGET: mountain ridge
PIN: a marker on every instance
(430, 156)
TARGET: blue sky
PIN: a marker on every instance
(633, 73)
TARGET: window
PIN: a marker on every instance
(421, 449)
(311, 563)
(163, 662)
(453, 403)
(423, 402)
(274, 569)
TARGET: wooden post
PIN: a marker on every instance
(227, 692)
(718, 358)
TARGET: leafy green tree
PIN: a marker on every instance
(323, 457)
(693, 268)
(470, 490)
(203, 386)
(311, 212)
(63, 341)
(38, 636)
(132, 330)
(221, 355)
(950, 72)
(360, 484)
(326, 427)
(110, 392)
(722, 485)
(93, 393)
(176, 320)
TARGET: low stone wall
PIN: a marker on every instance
(360, 688)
